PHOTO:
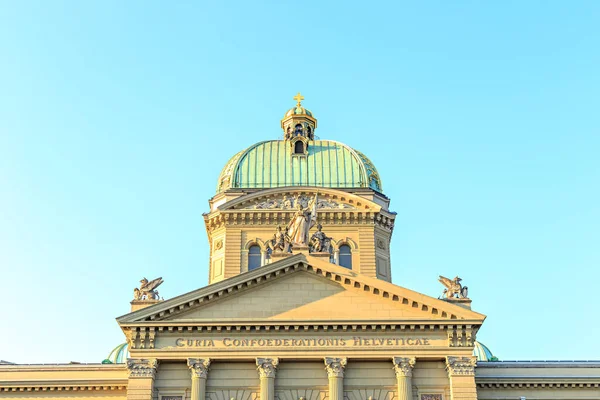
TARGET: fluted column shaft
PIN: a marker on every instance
(403, 368)
(335, 371)
(267, 368)
(199, 369)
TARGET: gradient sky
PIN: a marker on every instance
(116, 118)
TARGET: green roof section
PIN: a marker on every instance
(271, 164)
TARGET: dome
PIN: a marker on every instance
(118, 355)
(298, 110)
(270, 164)
(483, 353)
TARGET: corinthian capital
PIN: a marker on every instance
(267, 367)
(335, 366)
(403, 366)
(199, 367)
(461, 365)
(142, 367)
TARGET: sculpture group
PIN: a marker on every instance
(296, 234)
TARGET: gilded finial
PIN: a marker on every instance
(299, 98)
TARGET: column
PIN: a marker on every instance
(461, 372)
(267, 368)
(335, 371)
(403, 367)
(142, 372)
(199, 369)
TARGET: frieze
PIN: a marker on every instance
(347, 342)
(291, 203)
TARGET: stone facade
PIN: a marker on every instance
(300, 325)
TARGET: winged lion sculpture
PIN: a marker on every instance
(147, 290)
(453, 288)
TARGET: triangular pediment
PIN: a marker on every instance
(302, 288)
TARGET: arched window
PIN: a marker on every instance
(298, 131)
(298, 147)
(253, 257)
(345, 258)
(309, 133)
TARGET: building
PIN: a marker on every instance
(300, 304)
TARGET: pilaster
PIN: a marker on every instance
(403, 367)
(199, 370)
(335, 371)
(267, 368)
(142, 372)
(461, 372)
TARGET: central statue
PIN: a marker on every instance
(302, 221)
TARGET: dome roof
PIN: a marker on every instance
(118, 355)
(298, 110)
(270, 164)
(483, 353)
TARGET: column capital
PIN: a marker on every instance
(267, 367)
(198, 367)
(142, 367)
(403, 366)
(461, 365)
(335, 366)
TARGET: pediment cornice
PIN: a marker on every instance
(434, 311)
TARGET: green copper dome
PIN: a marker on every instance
(118, 355)
(298, 110)
(271, 164)
(482, 352)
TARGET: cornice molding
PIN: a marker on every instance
(440, 311)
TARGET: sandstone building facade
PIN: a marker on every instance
(289, 319)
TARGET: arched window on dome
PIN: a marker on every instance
(345, 256)
(299, 147)
(309, 133)
(254, 257)
(298, 130)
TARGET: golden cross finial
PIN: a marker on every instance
(298, 98)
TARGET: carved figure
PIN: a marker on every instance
(279, 242)
(319, 242)
(147, 289)
(453, 288)
(287, 203)
(302, 221)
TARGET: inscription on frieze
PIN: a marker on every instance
(347, 342)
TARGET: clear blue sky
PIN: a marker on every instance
(117, 117)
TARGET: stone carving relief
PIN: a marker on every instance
(461, 365)
(370, 394)
(381, 244)
(301, 394)
(335, 366)
(431, 397)
(237, 394)
(142, 367)
(199, 367)
(403, 366)
(267, 367)
(291, 203)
